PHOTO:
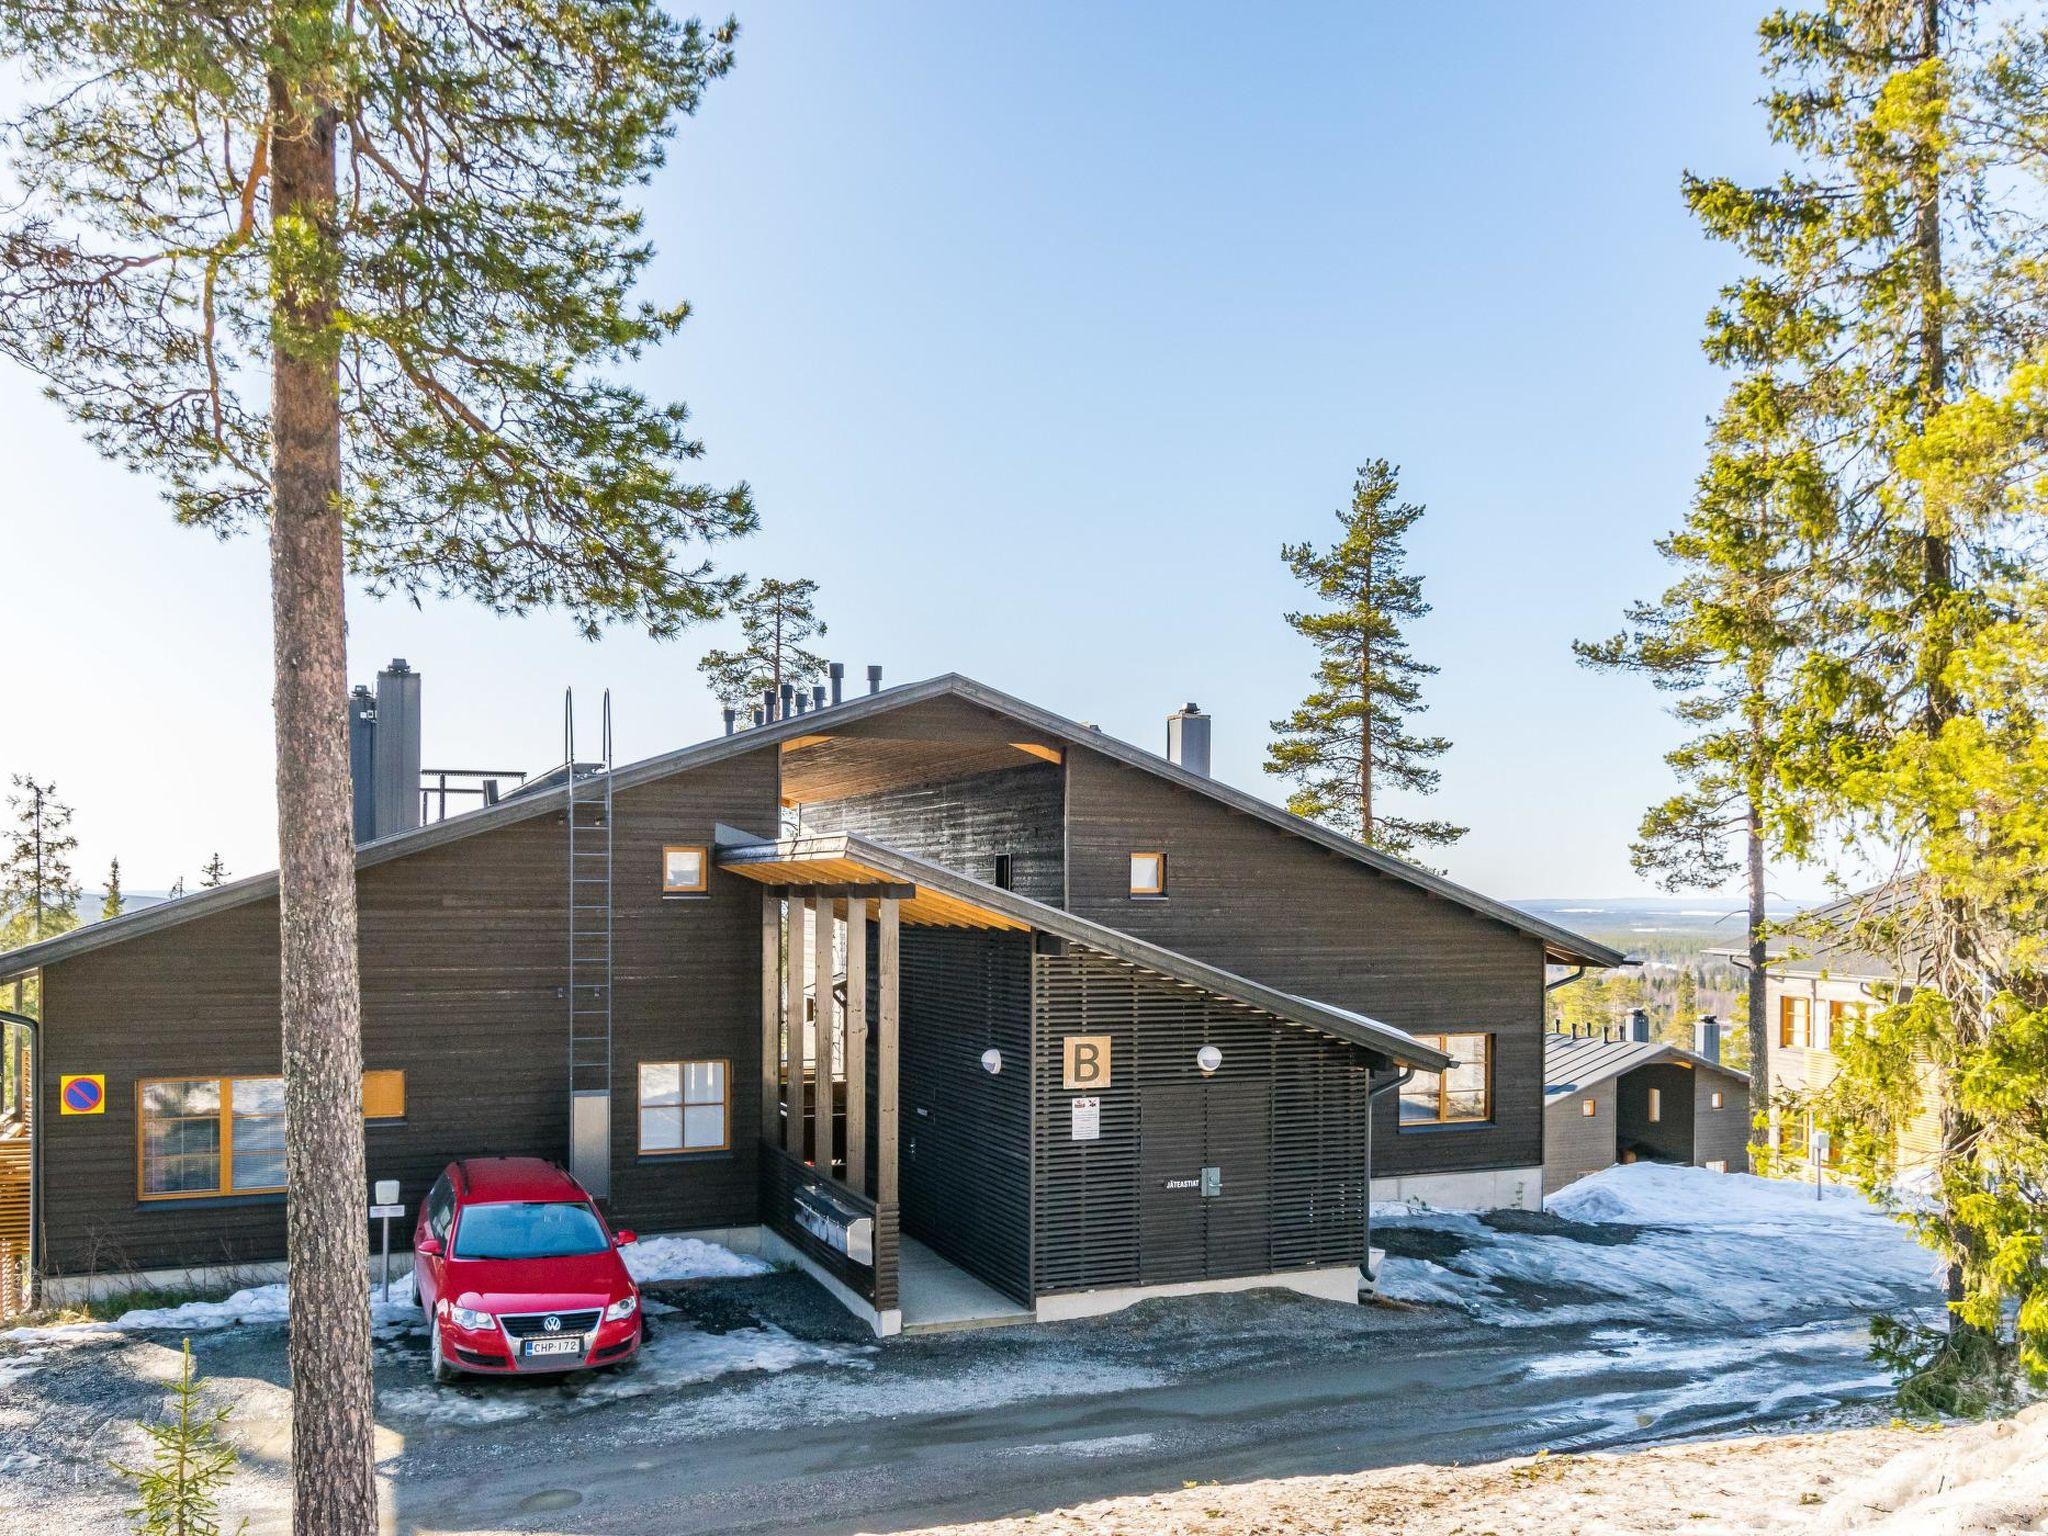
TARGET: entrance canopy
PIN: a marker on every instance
(849, 866)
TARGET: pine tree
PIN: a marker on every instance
(38, 893)
(777, 620)
(111, 906)
(1349, 740)
(1685, 1003)
(212, 873)
(1897, 305)
(363, 276)
(179, 1491)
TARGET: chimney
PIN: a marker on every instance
(760, 715)
(1187, 739)
(362, 761)
(803, 701)
(1706, 1038)
(838, 672)
(396, 775)
(817, 695)
(874, 679)
(731, 718)
(788, 702)
(1639, 1026)
(767, 705)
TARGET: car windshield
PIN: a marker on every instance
(536, 1229)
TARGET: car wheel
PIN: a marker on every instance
(443, 1371)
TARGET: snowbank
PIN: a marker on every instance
(688, 1258)
(1707, 1248)
(1975, 1481)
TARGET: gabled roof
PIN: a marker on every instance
(1574, 1063)
(1560, 944)
(1822, 941)
(844, 859)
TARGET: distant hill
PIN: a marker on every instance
(1712, 920)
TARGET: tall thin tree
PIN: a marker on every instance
(363, 274)
(1349, 741)
(112, 903)
(38, 891)
(778, 620)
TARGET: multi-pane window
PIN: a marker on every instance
(1461, 1096)
(1795, 1021)
(1148, 874)
(210, 1136)
(684, 1106)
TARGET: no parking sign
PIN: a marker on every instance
(83, 1093)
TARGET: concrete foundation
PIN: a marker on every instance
(1338, 1283)
(1491, 1189)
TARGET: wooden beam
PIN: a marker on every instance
(771, 1011)
(793, 1033)
(857, 1046)
(1040, 751)
(821, 982)
(888, 955)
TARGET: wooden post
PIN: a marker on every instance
(821, 971)
(771, 1012)
(793, 1033)
(857, 1044)
(885, 1053)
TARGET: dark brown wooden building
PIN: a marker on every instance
(1633, 1099)
(928, 983)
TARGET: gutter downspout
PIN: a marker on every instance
(1373, 1093)
(35, 1152)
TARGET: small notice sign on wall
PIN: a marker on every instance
(1085, 1059)
(1088, 1119)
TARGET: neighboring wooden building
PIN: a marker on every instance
(847, 959)
(1609, 1101)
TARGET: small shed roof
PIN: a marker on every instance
(1574, 1063)
(943, 897)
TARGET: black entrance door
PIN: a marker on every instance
(1206, 1204)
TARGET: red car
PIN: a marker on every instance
(517, 1272)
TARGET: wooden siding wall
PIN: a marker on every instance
(464, 952)
(1670, 1138)
(964, 823)
(965, 1137)
(1286, 1118)
(1722, 1133)
(1574, 1145)
(1260, 901)
(781, 1177)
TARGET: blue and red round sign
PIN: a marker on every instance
(83, 1095)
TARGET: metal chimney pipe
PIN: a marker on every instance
(767, 705)
(1639, 1026)
(838, 671)
(760, 715)
(788, 700)
(1187, 739)
(731, 717)
(817, 695)
(1706, 1038)
(874, 679)
(802, 703)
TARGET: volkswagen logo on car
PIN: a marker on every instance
(553, 1324)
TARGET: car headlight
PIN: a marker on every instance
(625, 1306)
(465, 1317)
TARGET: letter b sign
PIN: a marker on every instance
(1086, 1062)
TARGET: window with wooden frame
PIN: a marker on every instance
(384, 1094)
(1845, 1018)
(685, 1106)
(200, 1136)
(1795, 1021)
(1719, 1100)
(1656, 1110)
(1148, 874)
(685, 869)
(1588, 1108)
(1461, 1096)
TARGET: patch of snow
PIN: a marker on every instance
(258, 1304)
(1986, 1479)
(687, 1258)
(1099, 1445)
(1668, 1194)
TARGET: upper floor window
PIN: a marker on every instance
(1461, 1096)
(1843, 1017)
(1002, 873)
(1795, 1021)
(1718, 1101)
(1589, 1108)
(685, 871)
(1148, 874)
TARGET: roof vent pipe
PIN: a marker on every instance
(731, 717)
(803, 702)
(838, 672)
(1639, 1026)
(767, 705)
(817, 695)
(1706, 1038)
(788, 701)
(760, 715)
(874, 679)
(1187, 739)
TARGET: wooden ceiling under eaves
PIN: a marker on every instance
(922, 744)
(923, 908)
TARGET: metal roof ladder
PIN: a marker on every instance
(590, 957)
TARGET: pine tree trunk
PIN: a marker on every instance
(333, 1483)
(1759, 958)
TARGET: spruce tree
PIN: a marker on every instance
(178, 1492)
(112, 904)
(363, 276)
(1349, 740)
(778, 619)
(213, 872)
(38, 892)
(1896, 301)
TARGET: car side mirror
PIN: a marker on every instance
(430, 1246)
(624, 1236)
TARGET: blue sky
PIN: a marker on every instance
(1037, 330)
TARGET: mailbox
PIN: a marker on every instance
(836, 1224)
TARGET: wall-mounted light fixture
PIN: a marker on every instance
(1208, 1058)
(991, 1061)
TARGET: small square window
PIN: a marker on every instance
(384, 1095)
(1002, 873)
(684, 870)
(1587, 1108)
(1718, 1101)
(1148, 874)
